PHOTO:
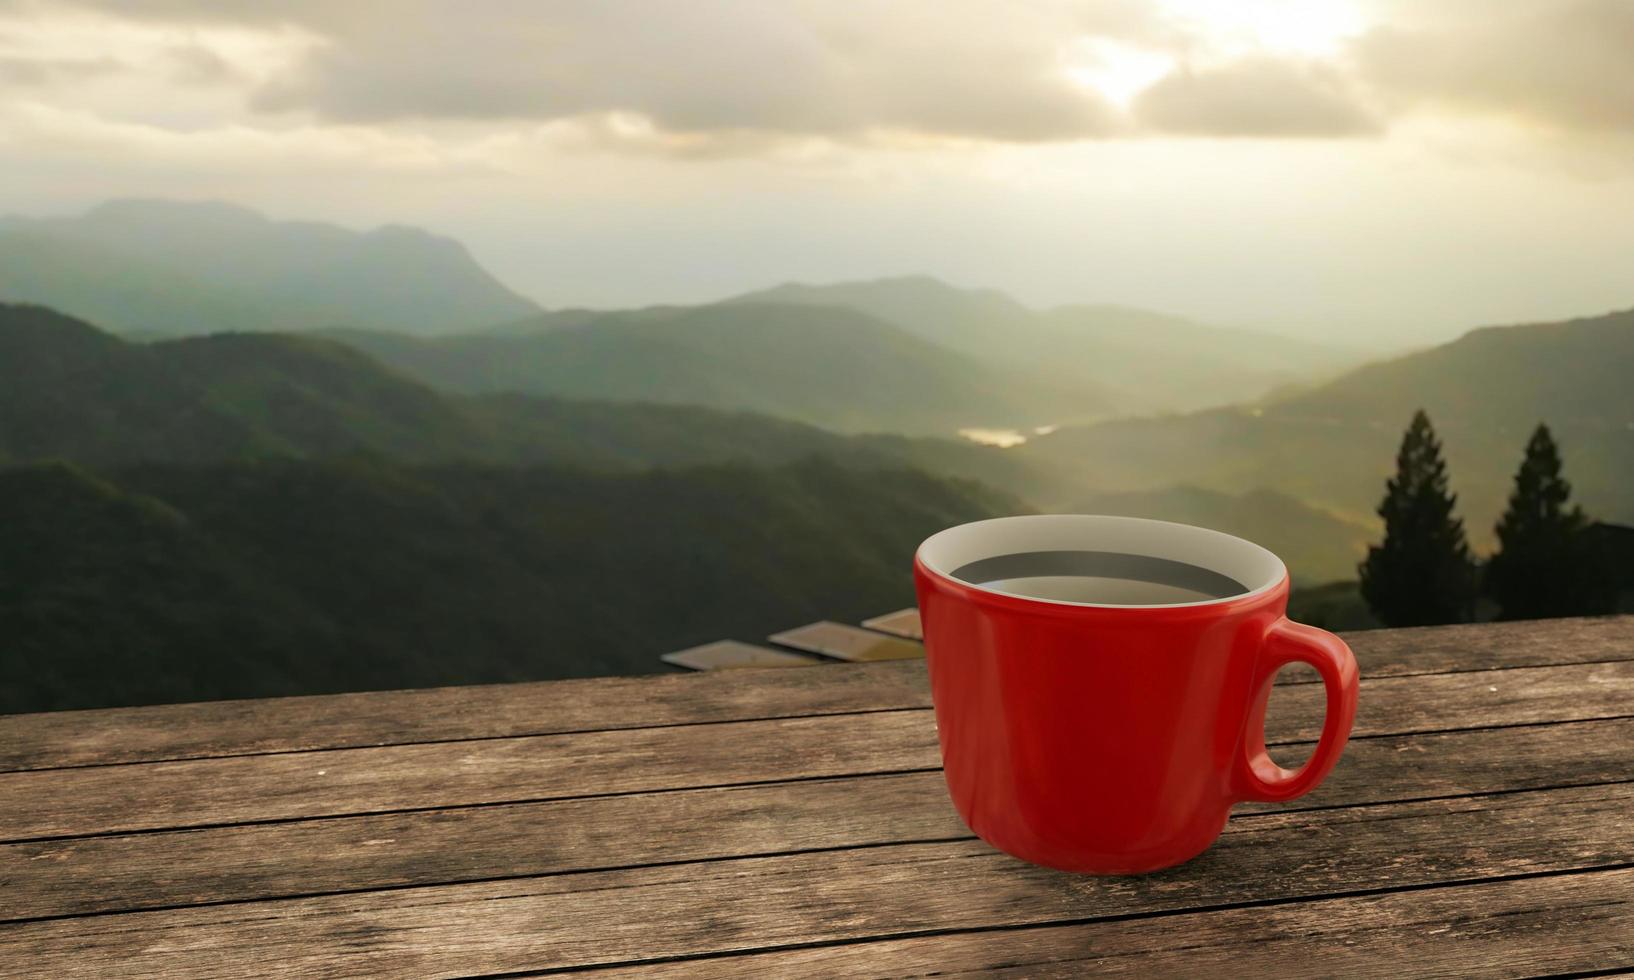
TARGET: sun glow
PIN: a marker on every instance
(1116, 70)
(1308, 28)
(1002, 438)
(1119, 70)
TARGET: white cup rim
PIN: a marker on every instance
(1256, 568)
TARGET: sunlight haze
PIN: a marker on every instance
(1367, 173)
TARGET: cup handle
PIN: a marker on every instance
(1288, 642)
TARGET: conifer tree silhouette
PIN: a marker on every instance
(1421, 574)
(1544, 566)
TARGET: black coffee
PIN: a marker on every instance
(1107, 577)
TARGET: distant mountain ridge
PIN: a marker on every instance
(934, 357)
(259, 578)
(933, 310)
(1146, 361)
(1335, 444)
(175, 267)
(248, 515)
(1576, 372)
(68, 390)
(838, 368)
(71, 391)
(1317, 547)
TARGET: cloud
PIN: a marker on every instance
(719, 77)
(1255, 97)
(708, 78)
(974, 69)
(195, 64)
(22, 71)
(1567, 65)
(66, 137)
(959, 69)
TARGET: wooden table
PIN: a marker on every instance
(792, 822)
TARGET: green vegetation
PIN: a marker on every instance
(70, 391)
(1421, 574)
(1551, 561)
(1330, 446)
(831, 367)
(176, 268)
(908, 355)
(567, 493)
(1143, 361)
(250, 579)
(1317, 547)
(219, 535)
(1334, 606)
(1612, 546)
(1545, 564)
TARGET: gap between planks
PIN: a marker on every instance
(361, 853)
(236, 728)
(848, 896)
(143, 796)
(1524, 925)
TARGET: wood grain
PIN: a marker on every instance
(106, 799)
(903, 622)
(825, 897)
(845, 642)
(733, 655)
(176, 868)
(312, 784)
(1571, 924)
(1492, 646)
(223, 728)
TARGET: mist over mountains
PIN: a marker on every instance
(833, 367)
(70, 391)
(911, 353)
(174, 267)
(1333, 445)
(1145, 361)
(291, 457)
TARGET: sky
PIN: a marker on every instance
(1371, 172)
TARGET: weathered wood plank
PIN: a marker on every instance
(312, 784)
(176, 868)
(221, 728)
(852, 643)
(1569, 924)
(903, 622)
(825, 897)
(733, 655)
(1492, 646)
(106, 799)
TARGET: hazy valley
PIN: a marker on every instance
(292, 457)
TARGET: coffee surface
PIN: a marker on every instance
(1105, 577)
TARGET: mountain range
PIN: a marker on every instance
(1144, 361)
(171, 268)
(248, 515)
(71, 391)
(1317, 546)
(841, 369)
(289, 457)
(910, 353)
(1334, 445)
(167, 582)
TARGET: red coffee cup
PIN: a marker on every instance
(1113, 737)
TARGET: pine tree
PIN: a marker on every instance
(1421, 574)
(1544, 566)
